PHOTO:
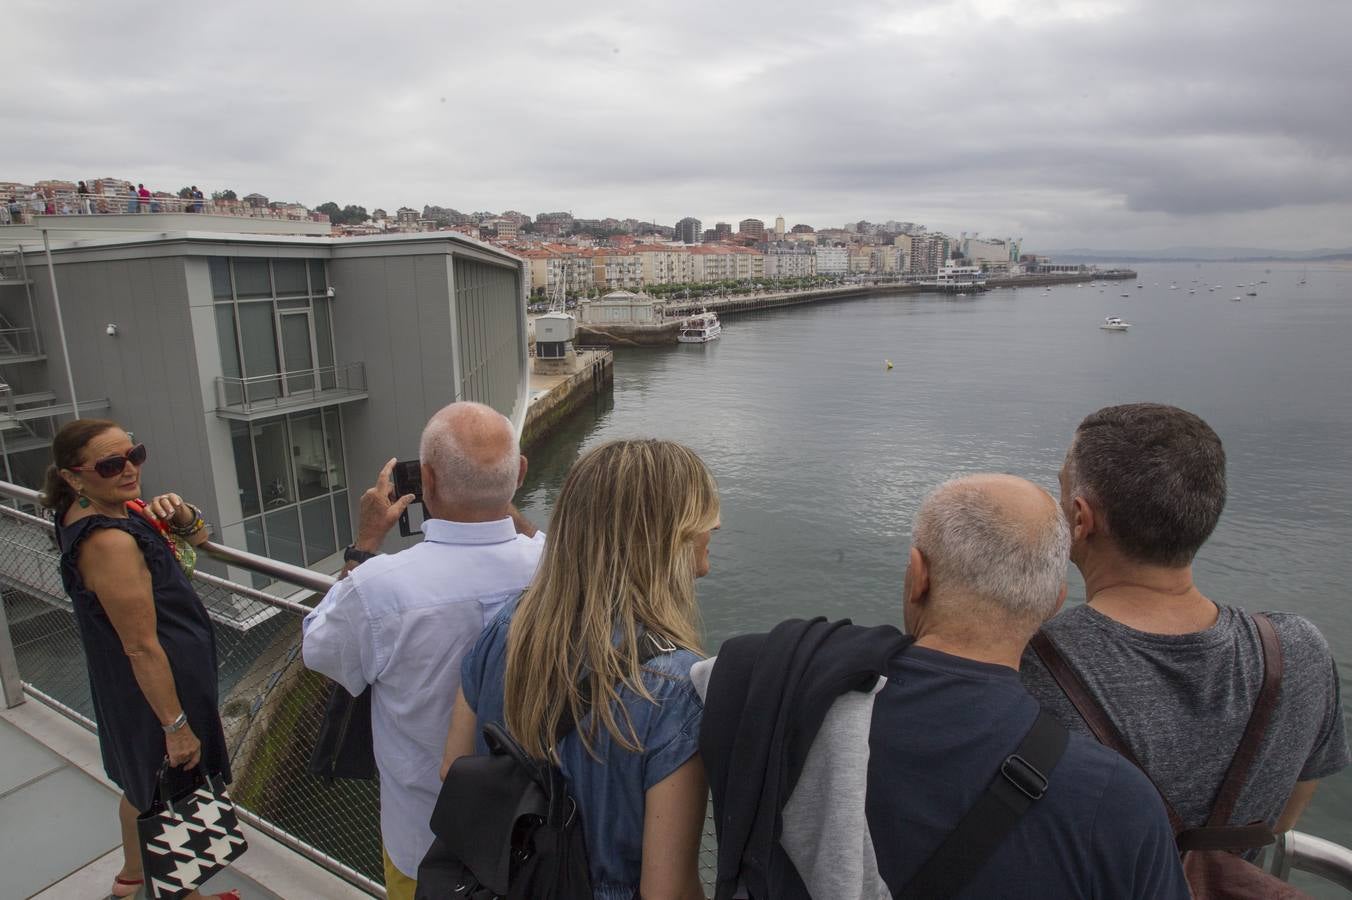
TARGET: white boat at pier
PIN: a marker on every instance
(700, 329)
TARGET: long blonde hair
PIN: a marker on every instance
(619, 560)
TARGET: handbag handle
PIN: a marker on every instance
(162, 781)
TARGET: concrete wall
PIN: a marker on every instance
(393, 313)
(148, 370)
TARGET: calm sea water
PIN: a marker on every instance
(822, 455)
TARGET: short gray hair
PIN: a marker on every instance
(972, 544)
(460, 475)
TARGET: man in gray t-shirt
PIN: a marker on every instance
(1142, 487)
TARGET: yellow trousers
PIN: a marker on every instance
(398, 886)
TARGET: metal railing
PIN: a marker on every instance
(18, 342)
(28, 210)
(272, 706)
(271, 393)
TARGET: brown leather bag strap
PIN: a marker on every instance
(1238, 773)
(1092, 712)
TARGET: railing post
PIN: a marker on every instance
(9, 664)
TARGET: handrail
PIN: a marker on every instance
(262, 565)
(1315, 855)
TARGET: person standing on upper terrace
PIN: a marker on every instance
(1177, 673)
(402, 622)
(147, 638)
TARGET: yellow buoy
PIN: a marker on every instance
(888, 362)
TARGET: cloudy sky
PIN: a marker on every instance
(1129, 124)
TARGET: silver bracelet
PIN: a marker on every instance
(176, 724)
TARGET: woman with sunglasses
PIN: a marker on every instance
(147, 639)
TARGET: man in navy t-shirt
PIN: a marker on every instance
(986, 568)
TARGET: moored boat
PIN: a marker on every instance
(1115, 323)
(700, 329)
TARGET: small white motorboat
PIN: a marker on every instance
(1126, 295)
(1237, 298)
(1115, 323)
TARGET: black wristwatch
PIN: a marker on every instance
(352, 555)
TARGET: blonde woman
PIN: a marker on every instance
(629, 536)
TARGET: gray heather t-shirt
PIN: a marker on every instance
(1182, 701)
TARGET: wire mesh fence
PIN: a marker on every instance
(271, 705)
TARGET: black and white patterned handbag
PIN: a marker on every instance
(189, 836)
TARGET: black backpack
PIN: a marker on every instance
(505, 825)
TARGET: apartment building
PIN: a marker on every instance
(832, 259)
(663, 264)
(790, 260)
(616, 269)
(689, 231)
(751, 228)
(269, 375)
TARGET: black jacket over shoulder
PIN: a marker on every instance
(767, 696)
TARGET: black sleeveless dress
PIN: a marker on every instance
(130, 735)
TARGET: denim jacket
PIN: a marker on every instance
(610, 791)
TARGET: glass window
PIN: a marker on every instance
(333, 431)
(297, 354)
(317, 519)
(256, 542)
(289, 275)
(227, 339)
(244, 468)
(342, 518)
(300, 488)
(284, 536)
(274, 463)
(251, 278)
(307, 450)
(258, 333)
(220, 277)
(324, 332)
(318, 282)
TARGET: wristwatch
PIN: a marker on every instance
(352, 555)
(176, 724)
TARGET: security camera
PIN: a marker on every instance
(331, 292)
(111, 329)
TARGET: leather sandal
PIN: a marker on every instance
(126, 887)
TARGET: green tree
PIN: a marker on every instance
(354, 215)
(185, 193)
(226, 194)
(333, 210)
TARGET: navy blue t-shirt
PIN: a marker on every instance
(941, 727)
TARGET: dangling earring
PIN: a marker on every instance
(83, 501)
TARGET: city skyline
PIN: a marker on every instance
(1131, 125)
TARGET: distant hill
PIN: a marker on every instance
(1203, 254)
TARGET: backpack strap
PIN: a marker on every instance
(1019, 783)
(1259, 719)
(1217, 831)
(1092, 712)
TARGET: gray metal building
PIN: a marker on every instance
(270, 376)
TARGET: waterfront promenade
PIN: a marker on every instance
(735, 304)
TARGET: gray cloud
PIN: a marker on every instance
(1130, 124)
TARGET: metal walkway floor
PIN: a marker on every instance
(58, 823)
